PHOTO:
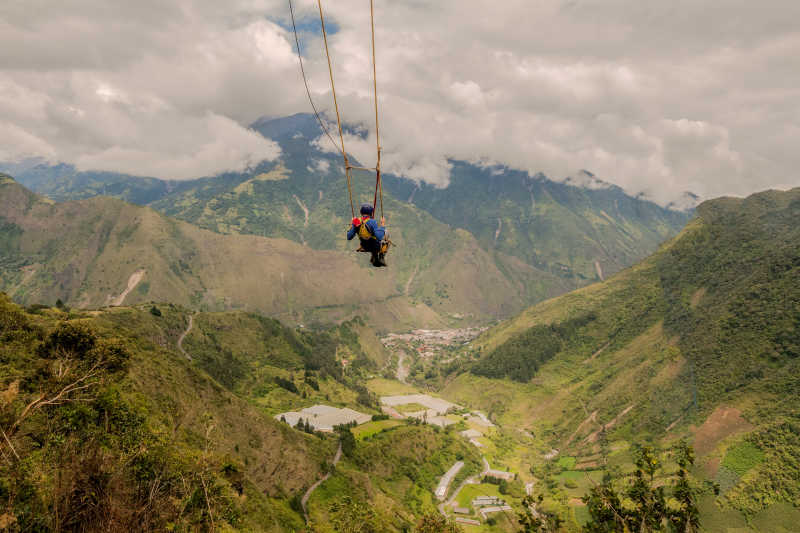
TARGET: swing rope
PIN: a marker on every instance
(336, 107)
(378, 185)
(305, 80)
(378, 195)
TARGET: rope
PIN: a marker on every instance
(336, 107)
(378, 185)
(305, 80)
(347, 167)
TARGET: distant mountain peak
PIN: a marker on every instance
(586, 180)
(685, 202)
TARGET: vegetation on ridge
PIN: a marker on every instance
(699, 341)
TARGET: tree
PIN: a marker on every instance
(647, 510)
(347, 440)
(436, 523)
(650, 502)
(687, 517)
(535, 520)
(348, 516)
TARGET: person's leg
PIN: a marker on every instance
(374, 248)
(382, 254)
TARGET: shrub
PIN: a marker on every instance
(286, 384)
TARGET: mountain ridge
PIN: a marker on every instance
(88, 251)
(697, 342)
(568, 235)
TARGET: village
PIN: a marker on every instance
(430, 343)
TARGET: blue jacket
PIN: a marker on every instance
(372, 226)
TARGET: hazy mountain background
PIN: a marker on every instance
(522, 238)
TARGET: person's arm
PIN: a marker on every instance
(378, 231)
(352, 232)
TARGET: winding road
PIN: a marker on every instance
(183, 336)
(313, 487)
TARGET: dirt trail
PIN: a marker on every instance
(402, 371)
(133, 281)
(599, 271)
(592, 437)
(313, 487)
(598, 352)
(304, 208)
(497, 231)
(183, 336)
(591, 419)
(408, 283)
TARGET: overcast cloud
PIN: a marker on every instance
(660, 97)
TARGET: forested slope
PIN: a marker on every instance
(109, 426)
(699, 341)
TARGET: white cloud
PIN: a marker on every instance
(654, 97)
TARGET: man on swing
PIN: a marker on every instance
(370, 234)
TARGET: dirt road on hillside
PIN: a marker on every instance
(183, 336)
(313, 487)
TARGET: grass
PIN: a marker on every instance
(581, 481)
(390, 387)
(371, 428)
(470, 492)
(742, 457)
(581, 514)
(780, 518)
(567, 462)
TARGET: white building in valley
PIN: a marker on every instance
(324, 417)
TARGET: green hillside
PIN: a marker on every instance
(699, 341)
(111, 428)
(102, 251)
(112, 422)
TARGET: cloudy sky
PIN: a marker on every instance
(655, 96)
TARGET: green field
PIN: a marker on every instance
(742, 457)
(371, 428)
(390, 387)
(567, 462)
(470, 492)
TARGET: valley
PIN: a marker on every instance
(435, 388)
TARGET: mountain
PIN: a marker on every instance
(154, 418)
(549, 237)
(102, 251)
(579, 229)
(699, 342)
